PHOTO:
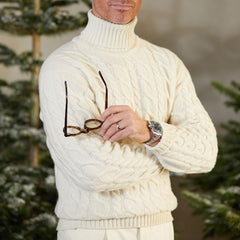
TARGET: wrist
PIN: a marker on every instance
(148, 134)
(156, 132)
(155, 143)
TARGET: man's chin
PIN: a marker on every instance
(121, 18)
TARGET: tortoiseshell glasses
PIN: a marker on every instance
(90, 124)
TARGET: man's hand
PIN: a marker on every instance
(130, 124)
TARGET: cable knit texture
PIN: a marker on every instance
(122, 184)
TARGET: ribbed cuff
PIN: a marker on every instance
(167, 137)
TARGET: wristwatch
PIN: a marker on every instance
(156, 132)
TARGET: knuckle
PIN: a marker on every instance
(131, 131)
(112, 119)
(131, 122)
(128, 109)
(128, 115)
(125, 108)
(110, 108)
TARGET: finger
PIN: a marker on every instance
(114, 118)
(121, 124)
(113, 110)
(114, 129)
(110, 132)
(119, 135)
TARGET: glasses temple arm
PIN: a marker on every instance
(66, 110)
(106, 96)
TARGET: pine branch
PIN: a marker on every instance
(19, 18)
(219, 217)
(236, 85)
(88, 3)
(8, 57)
(61, 3)
(9, 1)
(45, 4)
(3, 83)
(6, 54)
(28, 195)
(220, 208)
(52, 21)
(232, 92)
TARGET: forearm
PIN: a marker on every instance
(91, 162)
(189, 149)
(189, 143)
(97, 165)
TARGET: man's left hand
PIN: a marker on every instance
(129, 122)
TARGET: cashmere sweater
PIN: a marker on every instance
(103, 184)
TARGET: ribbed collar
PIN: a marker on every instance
(109, 36)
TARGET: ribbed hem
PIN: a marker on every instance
(134, 222)
(110, 36)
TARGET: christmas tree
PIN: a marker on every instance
(219, 199)
(27, 185)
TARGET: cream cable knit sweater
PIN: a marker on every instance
(123, 184)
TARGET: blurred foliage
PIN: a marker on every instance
(27, 202)
(218, 200)
(18, 17)
(25, 60)
(15, 131)
(27, 195)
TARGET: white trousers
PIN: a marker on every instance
(159, 232)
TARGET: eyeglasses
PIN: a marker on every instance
(90, 124)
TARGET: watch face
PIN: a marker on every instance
(156, 130)
(156, 126)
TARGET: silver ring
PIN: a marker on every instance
(118, 127)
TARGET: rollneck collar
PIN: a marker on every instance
(109, 36)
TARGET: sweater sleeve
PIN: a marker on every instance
(189, 143)
(87, 160)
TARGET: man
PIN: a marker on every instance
(112, 158)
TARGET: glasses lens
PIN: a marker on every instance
(73, 130)
(93, 124)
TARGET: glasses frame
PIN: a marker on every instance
(85, 129)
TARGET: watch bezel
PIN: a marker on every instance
(156, 132)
